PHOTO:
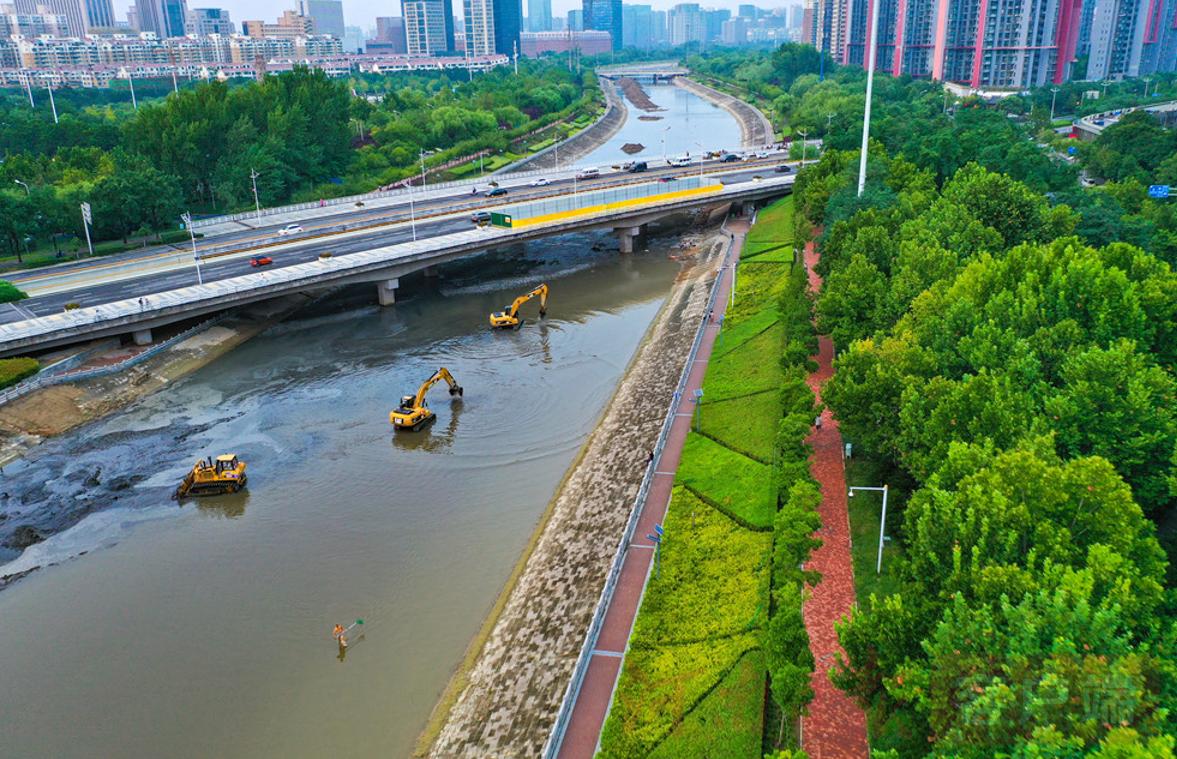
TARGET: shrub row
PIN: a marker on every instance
(13, 370)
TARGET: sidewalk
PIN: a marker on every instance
(596, 692)
(835, 727)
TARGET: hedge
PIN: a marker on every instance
(13, 370)
(10, 292)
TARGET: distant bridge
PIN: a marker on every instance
(382, 266)
(649, 73)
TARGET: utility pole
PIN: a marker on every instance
(54, 106)
(29, 87)
(86, 219)
(1053, 95)
(187, 218)
(131, 82)
(870, 86)
(515, 47)
(253, 175)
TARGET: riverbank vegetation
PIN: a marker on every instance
(296, 136)
(1017, 381)
(721, 619)
(13, 370)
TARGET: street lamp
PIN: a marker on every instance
(657, 538)
(701, 151)
(873, 44)
(412, 213)
(187, 217)
(882, 522)
(664, 131)
(1147, 81)
(253, 175)
(1053, 95)
(698, 404)
(421, 152)
(22, 184)
(804, 144)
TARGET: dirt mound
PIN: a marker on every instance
(636, 95)
(630, 148)
(649, 118)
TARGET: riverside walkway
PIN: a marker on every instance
(835, 727)
(592, 702)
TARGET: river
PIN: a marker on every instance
(204, 628)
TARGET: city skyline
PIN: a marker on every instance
(363, 13)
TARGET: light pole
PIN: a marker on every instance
(53, 104)
(829, 120)
(1146, 83)
(805, 144)
(701, 151)
(882, 522)
(870, 86)
(1053, 95)
(253, 175)
(664, 131)
(412, 213)
(421, 152)
(187, 217)
(131, 84)
(698, 406)
(22, 184)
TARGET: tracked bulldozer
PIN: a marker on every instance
(225, 474)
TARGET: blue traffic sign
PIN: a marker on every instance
(658, 529)
(1072, 150)
(1159, 190)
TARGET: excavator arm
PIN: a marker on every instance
(541, 291)
(438, 376)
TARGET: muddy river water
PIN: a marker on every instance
(158, 629)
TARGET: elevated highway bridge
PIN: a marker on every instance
(133, 297)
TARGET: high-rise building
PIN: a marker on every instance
(425, 27)
(1127, 38)
(1025, 43)
(204, 21)
(637, 26)
(658, 28)
(605, 16)
(80, 15)
(291, 25)
(479, 26)
(586, 43)
(575, 21)
(735, 31)
(539, 15)
(750, 12)
(328, 15)
(390, 37)
(825, 27)
(165, 18)
(508, 23)
(714, 18)
(796, 16)
(686, 24)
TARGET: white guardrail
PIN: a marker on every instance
(556, 738)
(63, 372)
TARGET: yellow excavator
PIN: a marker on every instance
(412, 413)
(225, 474)
(509, 316)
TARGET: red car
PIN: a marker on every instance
(261, 261)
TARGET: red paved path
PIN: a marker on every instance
(592, 704)
(835, 727)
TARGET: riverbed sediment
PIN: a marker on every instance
(503, 699)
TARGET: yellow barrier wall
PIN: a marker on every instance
(602, 207)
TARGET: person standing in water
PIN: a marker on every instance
(341, 635)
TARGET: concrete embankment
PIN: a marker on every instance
(503, 700)
(582, 143)
(755, 129)
(48, 411)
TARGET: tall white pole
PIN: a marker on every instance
(29, 87)
(882, 529)
(131, 82)
(870, 86)
(53, 104)
(256, 203)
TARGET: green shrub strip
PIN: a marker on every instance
(741, 521)
(13, 370)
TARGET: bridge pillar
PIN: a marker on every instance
(625, 237)
(141, 336)
(386, 291)
(749, 208)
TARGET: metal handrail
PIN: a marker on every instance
(572, 691)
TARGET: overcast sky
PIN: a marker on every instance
(362, 13)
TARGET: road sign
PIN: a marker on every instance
(500, 219)
(658, 529)
(1159, 190)
(86, 213)
(1072, 150)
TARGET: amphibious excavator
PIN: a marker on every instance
(412, 413)
(509, 316)
(225, 474)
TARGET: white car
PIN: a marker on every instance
(290, 229)
(762, 154)
(681, 161)
(540, 182)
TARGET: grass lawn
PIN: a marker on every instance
(757, 287)
(755, 366)
(740, 485)
(747, 424)
(736, 334)
(775, 253)
(727, 722)
(773, 224)
(865, 511)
